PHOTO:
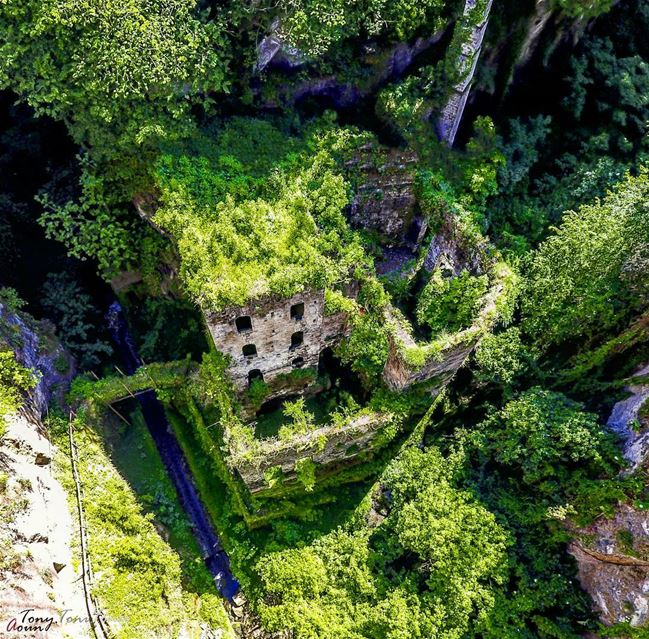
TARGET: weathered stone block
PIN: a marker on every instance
(326, 445)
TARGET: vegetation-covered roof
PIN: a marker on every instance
(252, 214)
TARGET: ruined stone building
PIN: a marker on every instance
(385, 200)
(274, 336)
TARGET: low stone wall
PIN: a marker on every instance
(410, 363)
(284, 386)
(398, 374)
(326, 445)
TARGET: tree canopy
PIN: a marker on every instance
(578, 281)
(120, 74)
(443, 550)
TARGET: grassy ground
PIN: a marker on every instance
(135, 456)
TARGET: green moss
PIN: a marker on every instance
(257, 392)
(625, 540)
(160, 377)
(305, 469)
(15, 381)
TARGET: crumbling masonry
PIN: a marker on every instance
(273, 336)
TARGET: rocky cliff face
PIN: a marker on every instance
(629, 421)
(613, 554)
(380, 66)
(471, 28)
(613, 562)
(38, 573)
(37, 349)
(40, 590)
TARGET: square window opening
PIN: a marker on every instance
(297, 311)
(297, 339)
(249, 350)
(254, 375)
(243, 324)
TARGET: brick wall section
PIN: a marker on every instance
(271, 333)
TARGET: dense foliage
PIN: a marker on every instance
(239, 247)
(313, 26)
(15, 380)
(138, 573)
(76, 317)
(82, 62)
(427, 570)
(451, 303)
(591, 274)
(217, 154)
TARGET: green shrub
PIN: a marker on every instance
(451, 303)
(15, 381)
(76, 319)
(10, 298)
(502, 358)
(305, 469)
(257, 392)
(542, 435)
(575, 287)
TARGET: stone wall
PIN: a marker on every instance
(450, 251)
(398, 374)
(326, 445)
(438, 360)
(385, 200)
(275, 328)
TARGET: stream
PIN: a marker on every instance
(174, 461)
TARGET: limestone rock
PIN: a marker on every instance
(36, 348)
(626, 422)
(42, 460)
(451, 115)
(380, 67)
(613, 565)
(273, 48)
(39, 532)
